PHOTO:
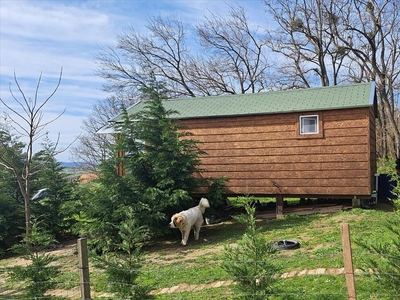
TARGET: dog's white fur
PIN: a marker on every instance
(188, 219)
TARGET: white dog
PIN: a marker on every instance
(188, 219)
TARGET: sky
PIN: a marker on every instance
(43, 38)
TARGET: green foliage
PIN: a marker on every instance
(385, 252)
(38, 275)
(159, 159)
(386, 166)
(384, 259)
(123, 267)
(11, 201)
(50, 176)
(11, 221)
(46, 172)
(216, 192)
(95, 212)
(249, 263)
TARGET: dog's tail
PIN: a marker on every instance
(203, 204)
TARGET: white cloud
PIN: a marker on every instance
(43, 37)
(53, 21)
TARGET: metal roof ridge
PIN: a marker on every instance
(349, 85)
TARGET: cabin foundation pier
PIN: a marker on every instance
(279, 206)
(356, 202)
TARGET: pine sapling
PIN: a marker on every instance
(250, 261)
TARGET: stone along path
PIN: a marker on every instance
(189, 288)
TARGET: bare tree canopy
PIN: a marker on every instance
(225, 56)
(237, 52)
(371, 34)
(163, 52)
(303, 38)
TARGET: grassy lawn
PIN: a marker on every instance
(320, 240)
(169, 264)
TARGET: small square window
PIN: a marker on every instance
(308, 124)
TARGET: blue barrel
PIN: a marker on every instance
(385, 187)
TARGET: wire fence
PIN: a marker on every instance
(184, 274)
(313, 283)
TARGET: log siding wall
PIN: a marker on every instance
(265, 155)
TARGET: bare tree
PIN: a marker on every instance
(227, 56)
(162, 52)
(93, 146)
(370, 33)
(304, 39)
(27, 122)
(237, 59)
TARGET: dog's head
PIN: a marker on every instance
(176, 221)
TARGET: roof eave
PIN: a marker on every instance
(305, 111)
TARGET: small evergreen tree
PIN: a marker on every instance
(97, 210)
(123, 267)
(385, 258)
(249, 263)
(52, 177)
(11, 220)
(38, 275)
(159, 160)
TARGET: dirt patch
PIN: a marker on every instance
(171, 251)
(181, 254)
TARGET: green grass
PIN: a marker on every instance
(168, 264)
(321, 247)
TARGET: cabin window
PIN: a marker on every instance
(309, 124)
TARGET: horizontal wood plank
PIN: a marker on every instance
(344, 167)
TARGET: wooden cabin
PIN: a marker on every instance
(307, 143)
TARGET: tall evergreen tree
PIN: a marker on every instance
(160, 158)
(11, 200)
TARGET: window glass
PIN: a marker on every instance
(308, 124)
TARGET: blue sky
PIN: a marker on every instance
(41, 36)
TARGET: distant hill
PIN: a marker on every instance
(69, 164)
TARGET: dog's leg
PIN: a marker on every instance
(197, 227)
(196, 231)
(185, 237)
(197, 234)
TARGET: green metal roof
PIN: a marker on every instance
(287, 101)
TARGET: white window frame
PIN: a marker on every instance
(306, 128)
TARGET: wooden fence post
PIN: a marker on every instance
(84, 268)
(348, 261)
